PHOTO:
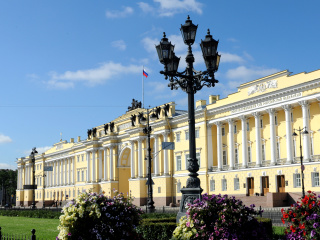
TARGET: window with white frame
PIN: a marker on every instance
(236, 155)
(263, 151)
(223, 131)
(40, 166)
(236, 184)
(73, 193)
(82, 175)
(296, 180)
(249, 153)
(197, 133)
(178, 162)
(212, 185)
(198, 158)
(261, 123)
(235, 129)
(78, 176)
(224, 184)
(278, 149)
(224, 157)
(275, 120)
(40, 195)
(178, 137)
(315, 179)
(47, 194)
(248, 127)
(187, 163)
(179, 187)
(78, 158)
(187, 135)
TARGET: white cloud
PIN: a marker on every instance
(91, 77)
(120, 44)
(171, 7)
(7, 166)
(243, 73)
(160, 90)
(5, 139)
(119, 14)
(149, 44)
(232, 40)
(145, 7)
(229, 57)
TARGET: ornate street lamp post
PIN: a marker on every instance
(147, 130)
(33, 152)
(190, 81)
(301, 131)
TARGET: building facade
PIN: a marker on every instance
(245, 147)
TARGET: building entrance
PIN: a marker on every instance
(265, 185)
(281, 183)
(250, 181)
(124, 171)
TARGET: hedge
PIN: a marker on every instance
(267, 223)
(156, 230)
(31, 213)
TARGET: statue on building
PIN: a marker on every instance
(94, 132)
(133, 120)
(89, 132)
(140, 116)
(111, 126)
(166, 109)
(134, 105)
(105, 127)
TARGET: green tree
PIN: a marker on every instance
(8, 181)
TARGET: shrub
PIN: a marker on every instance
(39, 213)
(94, 216)
(156, 230)
(303, 218)
(219, 217)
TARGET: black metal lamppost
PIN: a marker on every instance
(147, 130)
(301, 131)
(190, 81)
(44, 190)
(32, 157)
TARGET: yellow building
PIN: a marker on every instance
(245, 146)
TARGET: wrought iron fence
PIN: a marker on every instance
(7, 236)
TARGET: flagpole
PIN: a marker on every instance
(142, 87)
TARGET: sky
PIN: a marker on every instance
(67, 66)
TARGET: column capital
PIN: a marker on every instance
(256, 114)
(287, 107)
(243, 117)
(271, 111)
(304, 103)
(132, 141)
(218, 123)
(165, 133)
(209, 124)
(230, 121)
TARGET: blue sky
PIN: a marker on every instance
(66, 66)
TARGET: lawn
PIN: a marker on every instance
(45, 228)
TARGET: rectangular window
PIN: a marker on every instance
(82, 158)
(261, 123)
(212, 185)
(178, 160)
(236, 184)
(187, 163)
(223, 132)
(82, 175)
(178, 137)
(187, 135)
(278, 150)
(78, 176)
(248, 127)
(263, 150)
(296, 180)
(249, 154)
(197, 133)
(224, 184)
(275, 120)
(224, 157)
(315, 179)
(198, 158)
(179, 187)
(78, 158)
(235, 129)
(236, 157)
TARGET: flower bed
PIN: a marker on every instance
(303, 218)
(95, 216)
(220, 217)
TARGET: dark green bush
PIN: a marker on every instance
(31, 213)
(157, 220)
(156, 230)
(158, 215)
(267, 223)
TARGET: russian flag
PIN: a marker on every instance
(145, 73)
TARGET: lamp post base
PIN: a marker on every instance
(188, 196)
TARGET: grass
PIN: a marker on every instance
(45, 228)
(278, 232)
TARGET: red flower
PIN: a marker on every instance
(283, 221)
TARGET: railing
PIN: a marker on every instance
(225, 167)
(19, 237)
(251, 164)
(315, 158)
(265, 163)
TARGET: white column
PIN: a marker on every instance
(244, 141)
(18, 180)
(100, 164)
(69, 170)
(165, 158)
(258, 139)
(88, 167)
(231, 143)
(209, 148)
(27, 175)
(219, 145)
(132, 163)
(58, 173)
(105, 164)
(54, 173)
(140, 160)
(273, 148)
(74, 170)
(306, 137)
(111, 162)
(93, 170)
(156, 156)
(289, 141)
(66, 171)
